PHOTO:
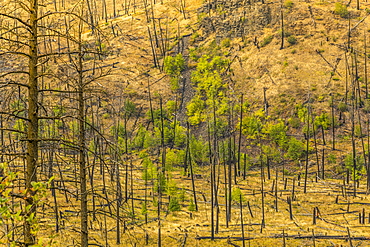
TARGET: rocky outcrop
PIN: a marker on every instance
(236, 18)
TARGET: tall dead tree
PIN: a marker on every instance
(28, 47)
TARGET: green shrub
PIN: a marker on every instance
(322, 121)
(192, 206)
(366, 106)
(235, 195)
(358, 131)
(226, 43)
(267, 40)
(288, 4)
(199, 150)
(341, 10)
(294, 122)
(195, 110)
(173, 66)
(174, 204)
(348, 161)
(332, 159)
(144, 209)
(292, 40)
(174, 158)
(295, 150)
(276, 132)
(342, 107)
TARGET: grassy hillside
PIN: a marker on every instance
(206, 123)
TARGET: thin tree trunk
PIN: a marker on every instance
(307, 147)
(33, 126)
(82, 151)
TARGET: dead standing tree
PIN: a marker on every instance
(27, 35)
(26, 21)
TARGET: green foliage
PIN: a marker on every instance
(18, 107)
(302, 113)
(195, 34)
(144, 209)
(171, 108)
(288, 4)
(173, 137)
(349, 163)
(296, 149)
(292, 40)
(210, 89)
(273, 153)
(294, 122)
(180, 135)
(12, 214)
(160, 183)
(199, 150)
(192, 206)
(235, 195)
(59, 110)
(252, 125)
(276, 132)
(322, 121)
(207, 76)
(196, 110)
(174, 204)
(267, 40)
(245, 160)
(366, 107)
(171, 189)
(139, 139)
(118, 130)
(149, 170)
(341, 10)
(358, 131)
(20, 126)
(128, 108)
(221, 128)
(226, 42)
(174, 157)
(173, 66)
(332, 159)
(182, 195)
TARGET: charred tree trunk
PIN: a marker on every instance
(33, 125)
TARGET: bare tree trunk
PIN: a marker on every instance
(307, 146)
(82, 144)
(32, 130)
(353, 147)
(365, 68)
(282, 25)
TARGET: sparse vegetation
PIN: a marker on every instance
(186, 132)
(292, 40)
(267, 40)
(341, 10)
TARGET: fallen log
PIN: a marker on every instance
(344, 237)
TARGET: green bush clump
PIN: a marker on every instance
(226, 43)
(210, 88)
(292, 40)
(342, 106)
(236, 194)
(359, 169)
(341, 10)
(288, 4)
(296, 149)
(267, 40)
(174, 205)
(173, 66)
